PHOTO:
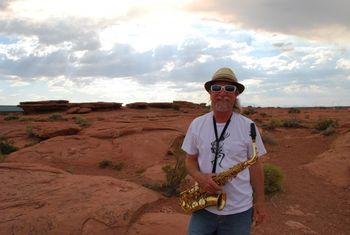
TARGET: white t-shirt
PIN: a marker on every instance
(235, 148)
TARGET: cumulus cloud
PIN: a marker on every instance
(317, 19)
(81, 56)
(343, 64)
(4, 4)
(79, 32)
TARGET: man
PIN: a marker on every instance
(215, 142)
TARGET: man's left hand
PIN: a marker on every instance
(259, 213)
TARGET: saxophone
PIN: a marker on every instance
(195, 198)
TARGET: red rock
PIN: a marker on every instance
(43, 200)
(63, 105)
(161, 105)
(72, 110)
(137, 105)
(43, 106)
(83, 110)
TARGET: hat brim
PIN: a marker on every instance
(239, 86)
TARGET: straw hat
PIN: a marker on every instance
(224, 75)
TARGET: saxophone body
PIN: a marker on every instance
(196, 198)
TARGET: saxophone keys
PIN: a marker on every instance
(202, 202)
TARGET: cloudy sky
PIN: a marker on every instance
(286, 53)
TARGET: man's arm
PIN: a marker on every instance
(257, 182)
(205, 181)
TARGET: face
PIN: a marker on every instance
(223, 101)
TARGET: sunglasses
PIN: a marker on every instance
(227, 88)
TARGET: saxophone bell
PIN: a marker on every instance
(218, 200)
(194, 200)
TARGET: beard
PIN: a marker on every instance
(223, 104)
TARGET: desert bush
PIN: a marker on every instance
(11, 117)
(267, 139)
(6, 146)
(30, 144)
(174, 177)
(81, 121)
(55, 117)
(107, 163)
(323, 124)
(117, 166)
(273, 179)
(31, 133)
(329, 131)
(176, 107)
(104, 163)
(249, 111)
(25, 119)
(293, 110)
(273, 123)
(2, 157)
(291, 123)
(257, 120)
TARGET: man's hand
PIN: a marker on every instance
(259, 213)
(207, 183)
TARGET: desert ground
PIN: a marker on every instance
(87, 173)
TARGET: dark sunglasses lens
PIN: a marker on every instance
(230, 88)
(215, 88)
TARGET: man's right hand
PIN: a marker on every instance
(207, 183)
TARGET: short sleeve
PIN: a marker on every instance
(190, 145)
(259, 143)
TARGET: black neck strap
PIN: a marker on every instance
(217, 140)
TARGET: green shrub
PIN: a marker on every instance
(11, 117)
(268, 139)
(32, 134)
(115, 166)
(291, 123)
(249, 111)
(329, 131)
(176, 107)
(81, 121)
(6, 146)
(174, 177)
(55, 117)
(273, 179)
(104, 163)
(30, 144)
(2, 157)
(323, 124)
(273, 123)
(293, 110)
(25, 119)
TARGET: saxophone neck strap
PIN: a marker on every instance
(217, 140)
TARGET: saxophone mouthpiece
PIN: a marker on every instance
(252, 131)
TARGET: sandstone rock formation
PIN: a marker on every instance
(57, 185)
(44, 200)
(44, 106)
(64, 105)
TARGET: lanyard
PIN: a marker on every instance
(217, 140)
